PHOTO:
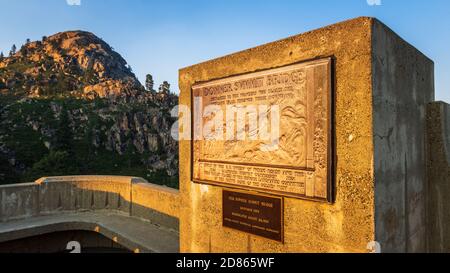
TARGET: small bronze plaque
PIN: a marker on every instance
(259, 215)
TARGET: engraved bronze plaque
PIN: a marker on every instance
(259, 215)
(300, 163)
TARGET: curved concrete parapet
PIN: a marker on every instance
(163, 201)
(19, 201)
(137, 235)
(438, 150)
(73, 193)
(80, 196)
(92, 179)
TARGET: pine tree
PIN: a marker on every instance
(64, 136)
(149, 83)
(2, 56)
(164, 88)
(24, 49)
(28, 41)
(13, 50)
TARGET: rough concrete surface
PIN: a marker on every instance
(439, 177)
(403, 85)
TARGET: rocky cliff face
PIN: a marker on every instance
(72, 63)
(70, 104)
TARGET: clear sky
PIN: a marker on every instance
(161, 36)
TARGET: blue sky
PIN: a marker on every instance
(161, 36)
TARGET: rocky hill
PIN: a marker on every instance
(70, 104)
(76, 63)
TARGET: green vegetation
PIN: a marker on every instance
(49, 126)
(45, 144)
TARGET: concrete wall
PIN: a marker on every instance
(163, 201)
(347, 225)
(445, 121)
(382, 86)
(19, 201)
(403, 85)
(128, 195)
(85, 193)
(439, 177)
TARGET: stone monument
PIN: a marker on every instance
(341, 169)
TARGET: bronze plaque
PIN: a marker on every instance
(259, 215)
(300, 163)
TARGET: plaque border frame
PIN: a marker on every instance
(331, 139)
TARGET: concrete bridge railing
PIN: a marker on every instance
(130, 196)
